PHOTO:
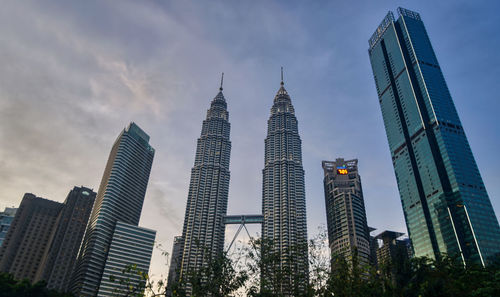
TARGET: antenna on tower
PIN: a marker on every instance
(221, 81)
(282, 83)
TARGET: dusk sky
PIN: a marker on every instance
(73, 74)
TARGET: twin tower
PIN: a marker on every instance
(284, 229)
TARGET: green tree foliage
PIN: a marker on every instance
(9, 287)
(239, 274)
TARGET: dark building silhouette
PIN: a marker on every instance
(59, 259)
(445, 204)
(29, 236)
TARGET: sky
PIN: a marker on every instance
(73, 74)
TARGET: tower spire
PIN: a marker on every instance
(282, 83)
(221, 81)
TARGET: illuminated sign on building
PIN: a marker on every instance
(342, 171)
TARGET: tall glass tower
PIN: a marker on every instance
(203, 231)
(120, 198)
(445, 203)
(284, 230)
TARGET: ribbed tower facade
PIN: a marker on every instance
(203, 231)
(445, 203)
(284, 230)
(119, 199)
(345, 210)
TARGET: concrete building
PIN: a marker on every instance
(445, 203)
(284, 229)
(345, 210)
(29, 236)
(59, 258)
(119, 199)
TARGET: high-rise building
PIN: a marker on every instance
(284, 229)
(175, 257)
(203, 230)
(29, 236)
(59, 258)
(345, 210)
(445, 203)
(129, 255)
(6, 218)
(119, 199)
(391, 249)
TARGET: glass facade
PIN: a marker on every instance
(128, 257)
(119, 198)
(6, 218)
(445, 203)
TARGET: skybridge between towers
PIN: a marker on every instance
(242, 220)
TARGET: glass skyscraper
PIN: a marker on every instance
(445, 203)
(131, 247)
(119, 199)
(284, 230)
(204, 229)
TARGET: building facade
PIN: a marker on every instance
(203, 230)
(284, 229)
(120, 198)
(128, 257)
(6, 218)
(348, 231)
(175, 257)
(391, 249)
(29, 236)
(445, 203)
(59, 258)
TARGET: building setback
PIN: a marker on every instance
(131, 248)
(120, 198)
(6, 218)
(59, 258)
(284, 230)
(445, 203)
(203, 230)
(29, 236)
(345, 210)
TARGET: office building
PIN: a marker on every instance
(29, 235)
(445, 203)
(391, 249)
(175, 257)
(6, 218)
(127, 261)
(203, 230)
(348, 231)
(119, 199)
(59, 258)
(284, 229)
